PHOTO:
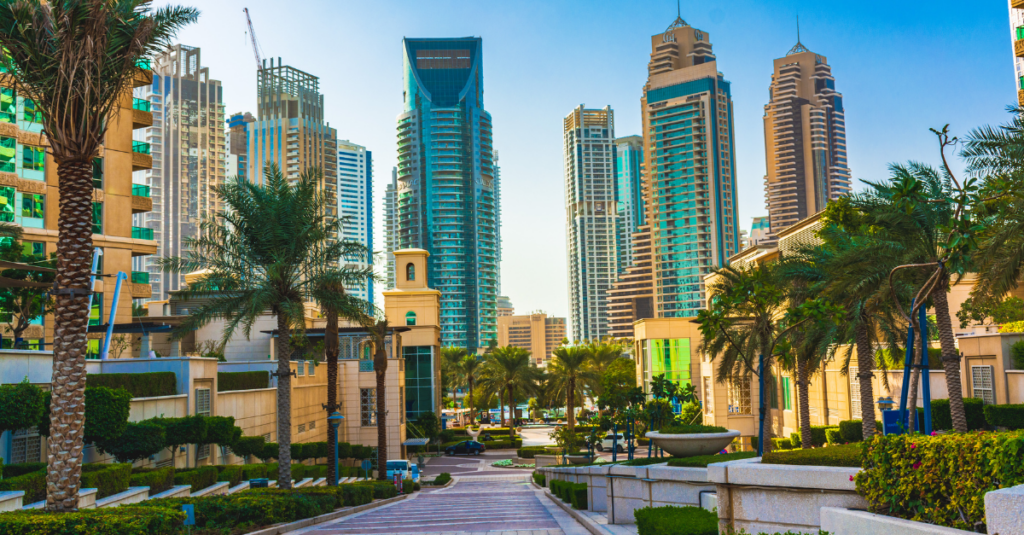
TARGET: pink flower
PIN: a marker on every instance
(912, 446)
(917, 465)
(935, 433)
(851, 478)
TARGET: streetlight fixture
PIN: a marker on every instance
(334, 420)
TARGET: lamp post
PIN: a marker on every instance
(334, 420)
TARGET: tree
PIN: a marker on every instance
(451, 357)
(618, 378)
(106, 414)
(21, 406)
(181, 431)
(602, 355)
(569, 373)
(269, 250)
(28, 303)
(469, 371)
(979, 309)
(76, 61)
(509, 369)
(138, 441)
(378, 331)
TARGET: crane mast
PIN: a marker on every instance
(252, 36)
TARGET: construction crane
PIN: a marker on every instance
(255, 43)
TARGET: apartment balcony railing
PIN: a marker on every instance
(144, 63)
(140, 277)
(141, 190)
(140, 147)
(141, 104)
(142, 233)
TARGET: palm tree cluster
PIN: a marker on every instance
(880, 256)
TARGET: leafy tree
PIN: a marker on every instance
(138, 441)
(979, 309)
(246, 446)
(21, 406)
(181, 431)
(76, 61)
(23, 305)
(602, 355)
(106, 414)
(378, 330)
(427, 425)
(451, 358)
(618, 378)
(569, 373)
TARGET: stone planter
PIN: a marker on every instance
(579, 459)
(694, 444)
(847, 522)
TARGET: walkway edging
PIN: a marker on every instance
(591, 526)
(305, 523)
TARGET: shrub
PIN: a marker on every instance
(231, 381)
(270, 451)
(1009, 416)
(15, 470)
(33, 483)
(818, 438)
(248, 446)
(1017, 354)
(138, 441)
(353, 495)
(941, 479)
(832, 436)
(529, 452)
(139, 385)
(318, 450)
(253, 471)
(442, 479)
(232, 473)
(254, 508)
(382, 490)
(644, 461)
(21, 406)
(416, 486)
(539, 479)
(974, 409)
(198, 478)
(106, 414)
(853, 430)
(578, 496)
(407, 486)
(675, 521)
(298, 452)
(123, 520)
(222, 431)
(184, 430)
(157, 479)
(344, 450)
(691, 429)
(782, 443)
(794, 439)
(848, 455)
(107, 479)
(702, 461)
(333, 492)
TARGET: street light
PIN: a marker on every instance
(334, 420)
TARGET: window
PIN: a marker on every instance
(7, 196)
(787, 394)
(773, 392)
(419, 380)
(96, 313)
(31, 114)
(33, 205)
(410, 318)
(97, 218)
(300, 368)
(25, 446)
(312, 368)
(203, 409)
(8, 154)
(982, 384)
(8, 106)
(36, 250)
(708, 402)
(410, 272)
(33, 160)
(855, 411)
(97, 173)
(302, 428)
(312, 425)
(367, 407)
(739, 395)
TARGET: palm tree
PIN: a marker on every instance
(509, 369)
(76, 60)
(451, 358)
(378, 331)
(469, 371)
(602, 355)
(569, 373)
(266, 251)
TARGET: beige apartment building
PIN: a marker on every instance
(537, 333)
(30, 198)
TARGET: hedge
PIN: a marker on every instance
(833, 437)
(108, 479)
(675, 521)
(974, 409)
(408, 486)
(702, 461)
(818, 438)
(691, 429)
(198, 478)
(106, 414)
(353, 494)
(253, 471)
(442, 479)
(123, 520)
(529, 452)
(782, 443)
(250, 509)
(33, 483)
(853, 430)
(138, 441)
(15, 470)
(1008, 416)
(937, 479)
(382, 490)
(248, 446)
(139, 385)
(848, 455)
(539, 479)
(232, 473)
(222, 431)
(157, 479)
(232, 381)
(578, 496)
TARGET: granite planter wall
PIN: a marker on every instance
(846, 522)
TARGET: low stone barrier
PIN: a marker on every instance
(177, 491)
(216, 489)
(846, 522)
(1004, 511)
(306, 482)
(86, 500)
(132, 495)
(11, 500)
(239, 487)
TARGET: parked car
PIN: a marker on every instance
(405, 470)
(611, 441)
(466, 447)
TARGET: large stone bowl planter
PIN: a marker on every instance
(580, 459)
(691, 445)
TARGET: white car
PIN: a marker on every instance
(405, 469)
(612, 441)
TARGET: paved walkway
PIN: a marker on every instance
(488, 505)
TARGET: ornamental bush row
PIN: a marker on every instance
(251, 509)
(818, 438)
(139, 385)
(675, 521)
(123, 520)
(233, 381)
(314, 450)
(848, 455)
(572, 493)
(198, 478)
(157, 479)
(539, 479)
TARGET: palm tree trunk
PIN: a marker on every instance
(569, 405)
(865, 373)
(805, 405)
(950, 357)
(71, 321)
(380, 367)
(284, 403)
(511, 416)
(501, 404)
(331, 354)
(915, 377)
(471, 409)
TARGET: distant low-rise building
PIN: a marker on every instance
(537, 333)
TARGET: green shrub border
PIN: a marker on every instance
(139, 385)
(674, 520)
(233, 381)
(848, 455)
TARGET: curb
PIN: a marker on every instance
(446, 485)
(584, 520)
(305, 523)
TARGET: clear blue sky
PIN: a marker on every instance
(902, 67)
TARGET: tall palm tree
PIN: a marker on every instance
(76, 60)
(266, 251)
(509, 369)
(451, 358)
(469, 371)
(602, 355)
(378, 330)
(569, 373)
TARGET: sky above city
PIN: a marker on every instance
(901, 66)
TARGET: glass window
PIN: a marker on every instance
(8, 154)
(410, 272)
(97, 218)
(97, 173)
(855, 411)
(419, 380)
(35, 250)
(739, 395)
(31, 114)
(773, 392)
(670, 357)
(410, 318)
(96, 312)
(8, 105)
(33, 205)
(7, 196)
(787, 394)
(33, 160)
(1020, 32)
(367, 407)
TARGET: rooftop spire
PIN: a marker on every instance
(798, 47)
(679, 22)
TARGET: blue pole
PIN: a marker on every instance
(121, 277)
(92, 278)
(907, 367)
(615, 442)
(926, 386)
(760, 405)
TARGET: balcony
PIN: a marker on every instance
(142, 233)
(140, 147)
(1018, 45)
(142, 115)
(144, 76)
(141, 190)
(141, 104)
(140, 277)
(1017, 4)
(141, 157)
(1020, 96)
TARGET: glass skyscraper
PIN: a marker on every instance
(629, 194)
(355, 206)
(446, 193)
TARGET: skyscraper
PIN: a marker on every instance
(629, 197)
(759, 231)
(290, 130)
(391, 227)
(805, 139)
(1017, 39)
(447, 191)
(591, 217)
(187, 144)
(690, 168)
(238, 144)
(355, 204)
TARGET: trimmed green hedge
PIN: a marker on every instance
(529, 452)
(578, 496)
(232, 473)
(250, 509)
(157, 479)
(33, 483)
(782, 443)
(353, 495)
(15, 470)
(198, 478)
(974, 409)
(833, 437)
(539, 479)
(675, 521)
(848, 455)
(108, 479)
(382, 490)
(691, 429)
(818, 438)
(853, 430)
(1008, 416)
(139, 385)
(123, 520)
(231, 381)
(702, 461)
(408, 486)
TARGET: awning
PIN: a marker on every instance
(25, 267)
(416, 442)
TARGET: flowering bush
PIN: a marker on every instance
(940, 479)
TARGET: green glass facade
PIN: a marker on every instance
(629, 195)
(446, 184)
(666, 356)
(419, 380)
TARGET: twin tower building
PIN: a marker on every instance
(647, 217)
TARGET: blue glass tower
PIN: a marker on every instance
(629, 194)
(446, 191)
